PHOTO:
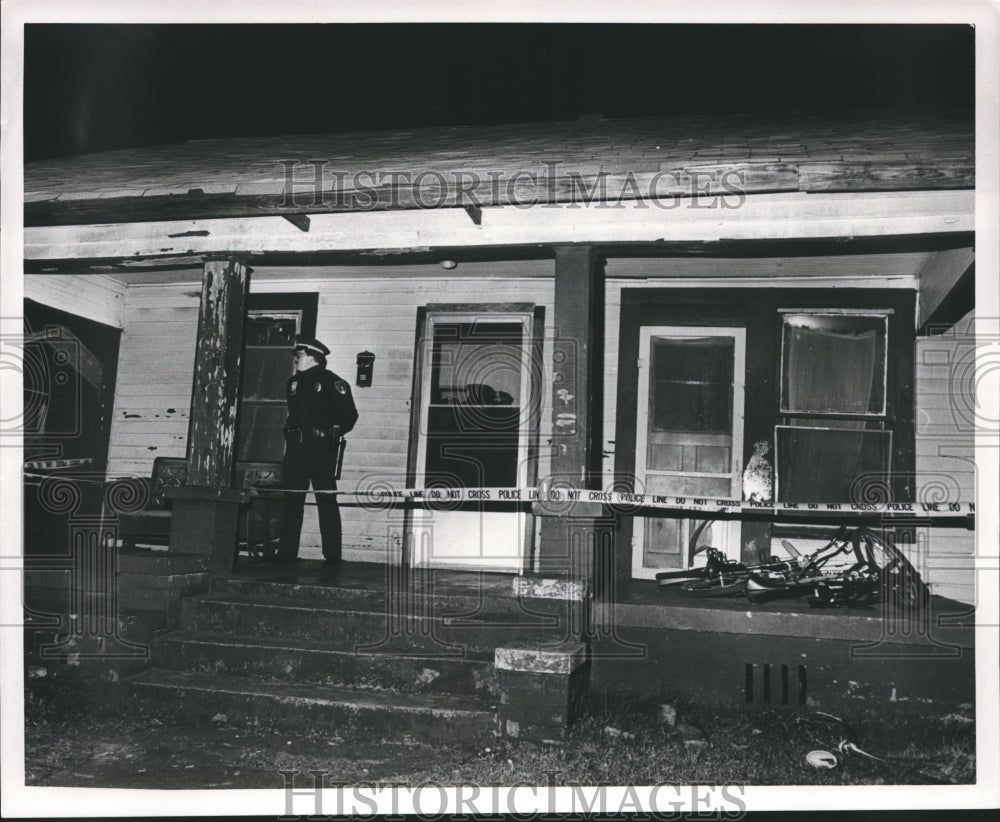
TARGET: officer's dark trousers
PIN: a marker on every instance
(310, 459)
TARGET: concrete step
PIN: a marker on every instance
(195, 698)
(423, 591)
(365, 627)
(317, 662)
(148, 561)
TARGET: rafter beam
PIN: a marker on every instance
(758, 217)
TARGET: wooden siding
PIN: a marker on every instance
(93, 296)
(372, 313)
(945, 452)
(155, 373)
(378, 313)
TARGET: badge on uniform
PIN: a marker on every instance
(317, 387)
(293, 387)
(341, 386)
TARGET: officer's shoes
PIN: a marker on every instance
(331, 564)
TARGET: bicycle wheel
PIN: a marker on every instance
(901, 583)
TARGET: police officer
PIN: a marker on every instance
(320, 411)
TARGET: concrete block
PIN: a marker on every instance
(541, 689)
(529, 587)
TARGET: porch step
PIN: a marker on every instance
(493, 597)
(471, 674)
(147, 561)
(350, 713)
(366, 626)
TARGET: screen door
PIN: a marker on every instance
(689, 436)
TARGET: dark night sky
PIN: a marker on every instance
(100, 87)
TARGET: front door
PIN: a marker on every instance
(474, 428)
(689, 437)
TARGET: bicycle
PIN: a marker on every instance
(880, 572)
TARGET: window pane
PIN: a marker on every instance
(269, 330)
(267, 365)
(474, 417)
(833, 364)
(477, 364)
(692, 384)
(260, 438)
(265, 372)
(823, 465)
(472, 447)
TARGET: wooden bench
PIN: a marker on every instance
(259, 525)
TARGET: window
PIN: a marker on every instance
(272, 323)
(833, 427)
(693, 384)
(474, 414)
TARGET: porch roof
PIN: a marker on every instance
(804, 151)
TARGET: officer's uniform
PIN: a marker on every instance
(320, 410)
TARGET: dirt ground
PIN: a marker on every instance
(216, 757)
(109, 748)
(615, 742)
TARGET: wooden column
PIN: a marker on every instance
(566, 542)
(205, 511)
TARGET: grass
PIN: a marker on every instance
(762, 747)
(616, 741)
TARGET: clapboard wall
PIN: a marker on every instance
(945, 452)
(371, 308)
(374, 309)
(93, 296)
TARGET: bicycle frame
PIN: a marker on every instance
(863, 582)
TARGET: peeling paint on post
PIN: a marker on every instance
(215, 398)
(204, 519)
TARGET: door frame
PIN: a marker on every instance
(532, 382)
(646, 335)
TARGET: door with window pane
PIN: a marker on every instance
(267, 365)
(689, 436)
(474, 430)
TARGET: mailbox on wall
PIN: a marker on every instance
(366, 364)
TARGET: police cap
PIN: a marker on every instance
(311, 345)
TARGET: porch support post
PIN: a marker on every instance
(205, 511)
(566, 541)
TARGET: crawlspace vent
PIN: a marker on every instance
(767, 684)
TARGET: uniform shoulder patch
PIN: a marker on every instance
(341, 387)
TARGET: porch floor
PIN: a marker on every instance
(643, 604)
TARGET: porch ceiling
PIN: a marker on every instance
(537, 163)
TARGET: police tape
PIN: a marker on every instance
(52, 464)
(379, 495)
(626, 502)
